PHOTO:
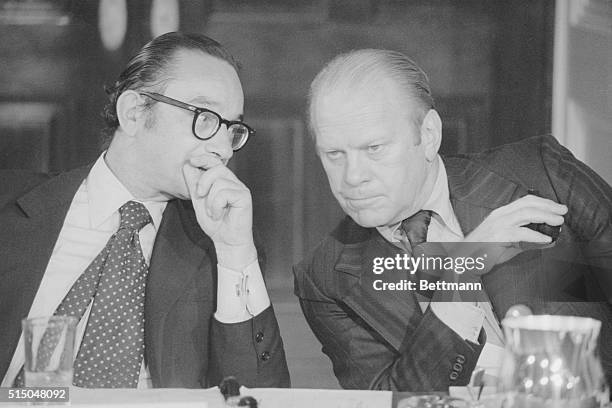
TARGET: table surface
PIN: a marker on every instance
(211, 398)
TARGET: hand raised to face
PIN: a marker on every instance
(223, 208)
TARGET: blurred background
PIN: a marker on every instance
(501, 71)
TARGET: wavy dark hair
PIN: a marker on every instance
(151, 68)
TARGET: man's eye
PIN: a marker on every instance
(333, 154)
(375, 148)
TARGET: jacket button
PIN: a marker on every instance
(265, 356)
(454, 375)
(460, 358)
(259, 337)
(457, 367)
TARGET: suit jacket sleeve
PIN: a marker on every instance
(431, 358)
(589, 201)
(252, 351)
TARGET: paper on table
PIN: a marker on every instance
(308, 398)
(211, 398)
(150, 398)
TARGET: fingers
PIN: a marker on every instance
(225, 194)
(206, 161)
(534, 215)
(508, 223)
(216, 175)
(534, 202)
(216, 189)
(531, 209)
(524, 234)
(200, 179)
(192, 175)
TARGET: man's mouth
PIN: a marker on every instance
(361, 202)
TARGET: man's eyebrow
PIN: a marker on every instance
(202, 102)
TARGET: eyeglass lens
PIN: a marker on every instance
(207, 124)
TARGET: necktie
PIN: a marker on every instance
(112, 348)
(415, 227)
(415, 233)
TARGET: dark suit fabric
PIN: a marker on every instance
(382, 340)
(184, 345)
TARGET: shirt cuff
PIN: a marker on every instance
(463, 318)
(240, 295)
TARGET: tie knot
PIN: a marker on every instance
(415, 227)
(134, 216)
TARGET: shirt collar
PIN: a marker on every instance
(438, 202)
(106, 194)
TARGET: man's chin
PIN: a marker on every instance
(369, 219)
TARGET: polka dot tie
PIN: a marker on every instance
(112, 348)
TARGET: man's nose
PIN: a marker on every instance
(355, 171)
(220, 144)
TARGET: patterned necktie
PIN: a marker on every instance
(415, 232)
(415, 227)
(112, 348)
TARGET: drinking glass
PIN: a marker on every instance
(552, 361)
(49, 350)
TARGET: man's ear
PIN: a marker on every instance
(431, 134)
(130, 112)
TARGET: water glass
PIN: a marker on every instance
(49, 350)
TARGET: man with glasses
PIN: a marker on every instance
(377, 134)
(150, 247)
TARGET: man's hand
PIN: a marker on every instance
(498, 235)
(507, 224)
(224, 210)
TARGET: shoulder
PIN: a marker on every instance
(525, 152)
(329, 249)
(20, 180)
(531, 162)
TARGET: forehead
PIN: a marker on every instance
(356, 113)
(205, 80)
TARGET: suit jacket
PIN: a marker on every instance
(382, 340)
(184, 345)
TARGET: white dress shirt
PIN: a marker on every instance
(464, 318)
(93, 217)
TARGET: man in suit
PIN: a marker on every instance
(197, 309)
(377, 134)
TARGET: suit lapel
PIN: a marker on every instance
(45, 208)
(29, 236)
(475, 191)
(178, 254)
(391, 313)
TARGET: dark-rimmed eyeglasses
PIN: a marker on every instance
(206, 123)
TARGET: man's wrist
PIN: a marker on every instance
(236, 257)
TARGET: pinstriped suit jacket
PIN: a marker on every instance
(382, 340)
(184, 345)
